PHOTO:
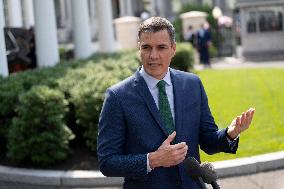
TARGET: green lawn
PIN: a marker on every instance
(230, 92)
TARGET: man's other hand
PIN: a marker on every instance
(167, 154)
(240, 123)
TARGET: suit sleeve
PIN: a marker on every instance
(211, 139)
(112, 140)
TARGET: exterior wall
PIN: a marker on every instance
(258, 42)
(264, 42)
(250, 3)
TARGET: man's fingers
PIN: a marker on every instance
(179, 145)
(238, 121)
(243, 119)
(180, 154)
(251, 111)
(250, 115)
(170, 138)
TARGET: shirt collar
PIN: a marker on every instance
(151, 81)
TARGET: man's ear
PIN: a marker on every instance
(174, 46)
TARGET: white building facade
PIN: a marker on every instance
(87, 25)
(262, 31)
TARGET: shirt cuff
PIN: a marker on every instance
(235, 139)
(148, 164)
(233, 143)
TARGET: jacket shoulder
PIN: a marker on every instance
(122, 85)
(185, 75)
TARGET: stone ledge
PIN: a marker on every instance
(70, 179)
(249, 165)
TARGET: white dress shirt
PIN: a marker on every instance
(152, 86)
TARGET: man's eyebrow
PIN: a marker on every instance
(163, 44)
(145, 45)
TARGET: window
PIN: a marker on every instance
(251, 22)
(266, 19)
(270, 21)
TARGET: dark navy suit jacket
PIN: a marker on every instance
(130, 126)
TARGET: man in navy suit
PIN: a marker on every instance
(134, 141)
(203, 44)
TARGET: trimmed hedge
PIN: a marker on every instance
(68, 94)
(16, 84)
(184, 58)
(38, 133)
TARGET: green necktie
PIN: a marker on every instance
(164, 107)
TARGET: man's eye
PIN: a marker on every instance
(163, 47)
(145, 47)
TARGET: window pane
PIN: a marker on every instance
(251, 22)
(270, 21)
(280, 20)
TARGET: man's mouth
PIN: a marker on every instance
(154, 64)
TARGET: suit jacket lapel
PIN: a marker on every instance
(142, 89)
(178, 102)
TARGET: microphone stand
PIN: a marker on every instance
(215, 185)
(201, 183)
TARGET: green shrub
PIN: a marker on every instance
(38, 134)
(15, 85)
(213, 51)
(86, 87)
(81, 83)
(178, 29)
(183, 60)
(88, 99)
(10, 88)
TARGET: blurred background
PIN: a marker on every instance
(40, 33)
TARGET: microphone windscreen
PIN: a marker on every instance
(209, 175)
(192, 167)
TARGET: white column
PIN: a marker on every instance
(164, 8)
(122, 8)
(62, 6)
(129, 8)
(45, 33)
(28, 13)
(216, 3)
(154, 7)
(3, 57)
(15, 13)
(105, 26)
(93, 19)
(191, 1)
(92, 5)
(68, 15)
(161, 8)
(126, 8)
(81, 29)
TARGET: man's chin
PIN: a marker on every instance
(157, 75)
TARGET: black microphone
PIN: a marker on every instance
(193, 169)
(209, 175)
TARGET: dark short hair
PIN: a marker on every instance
(156, 24)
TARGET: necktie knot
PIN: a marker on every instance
(161, 85)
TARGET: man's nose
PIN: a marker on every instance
(154, 54)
